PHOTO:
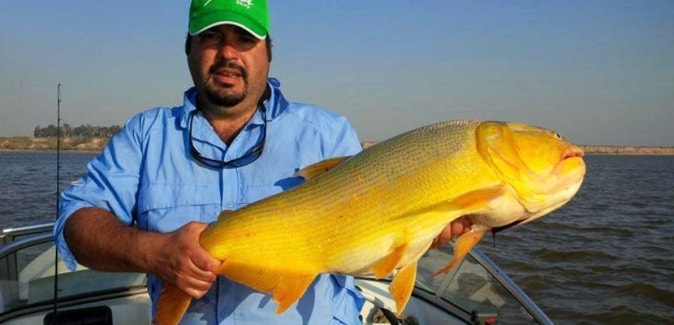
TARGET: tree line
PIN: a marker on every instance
(80, 131)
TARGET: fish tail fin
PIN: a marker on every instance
(462, 246)
(171, 305)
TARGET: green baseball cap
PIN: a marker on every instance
(251, 15)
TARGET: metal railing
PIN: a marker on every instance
(512, 288)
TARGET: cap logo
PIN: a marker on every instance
(245, 3)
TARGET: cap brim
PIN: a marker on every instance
(226, 18)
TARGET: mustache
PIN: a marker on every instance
(229, 65)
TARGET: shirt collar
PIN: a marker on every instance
(189, 105)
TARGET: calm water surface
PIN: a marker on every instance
(605, 258)
(608, 256)
(28, 184)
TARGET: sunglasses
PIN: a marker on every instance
(249, 157)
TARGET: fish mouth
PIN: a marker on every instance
(573, 152)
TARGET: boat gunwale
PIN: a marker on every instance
(42, 233)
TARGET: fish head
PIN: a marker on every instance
(539, 165)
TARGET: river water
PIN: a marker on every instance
(607, 257)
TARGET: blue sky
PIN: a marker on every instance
(599, 72)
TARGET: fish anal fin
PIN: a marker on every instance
(171, 305)
(318, 168)
(285, 286)
(291, 290)
(402, 285)
(462, 246)
(388, 263)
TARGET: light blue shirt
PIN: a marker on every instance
(146, 176)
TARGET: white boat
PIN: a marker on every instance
(475, 292)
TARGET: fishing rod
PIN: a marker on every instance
(58, 192)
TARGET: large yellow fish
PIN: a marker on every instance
(379, 211)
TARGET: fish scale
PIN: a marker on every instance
(378, 212)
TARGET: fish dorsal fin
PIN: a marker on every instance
(402, 285)
(225, 214)
(285, 286)
(388, 263)
(318, 168)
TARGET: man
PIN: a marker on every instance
(170, 171)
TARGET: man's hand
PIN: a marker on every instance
(101, 242)
(455, 228)
(184, 263)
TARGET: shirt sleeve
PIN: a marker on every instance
(111, 183)
(346, 142)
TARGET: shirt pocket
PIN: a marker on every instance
(164, 208)
(250, 194)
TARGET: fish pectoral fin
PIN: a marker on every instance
(388, 263)
(462, 246)
(476, 199)
(318, 168)
(469, 202)
(171, 305)
(464, 204)
(285, 286)
(402, 285)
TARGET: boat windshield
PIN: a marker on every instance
(473, 288)
(474, 292)
(27, 257)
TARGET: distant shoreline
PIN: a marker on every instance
(628, 150)
(608, 150)
(83, 144)
(96, 144)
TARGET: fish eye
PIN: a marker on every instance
(558, 136)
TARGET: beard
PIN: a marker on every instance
(226, 98)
